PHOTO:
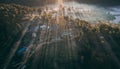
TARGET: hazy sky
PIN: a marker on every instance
(41, 2)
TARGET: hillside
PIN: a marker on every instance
(30, 40)
(11, 17)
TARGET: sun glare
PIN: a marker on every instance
(59, 2)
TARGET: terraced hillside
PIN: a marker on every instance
(33, 39)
